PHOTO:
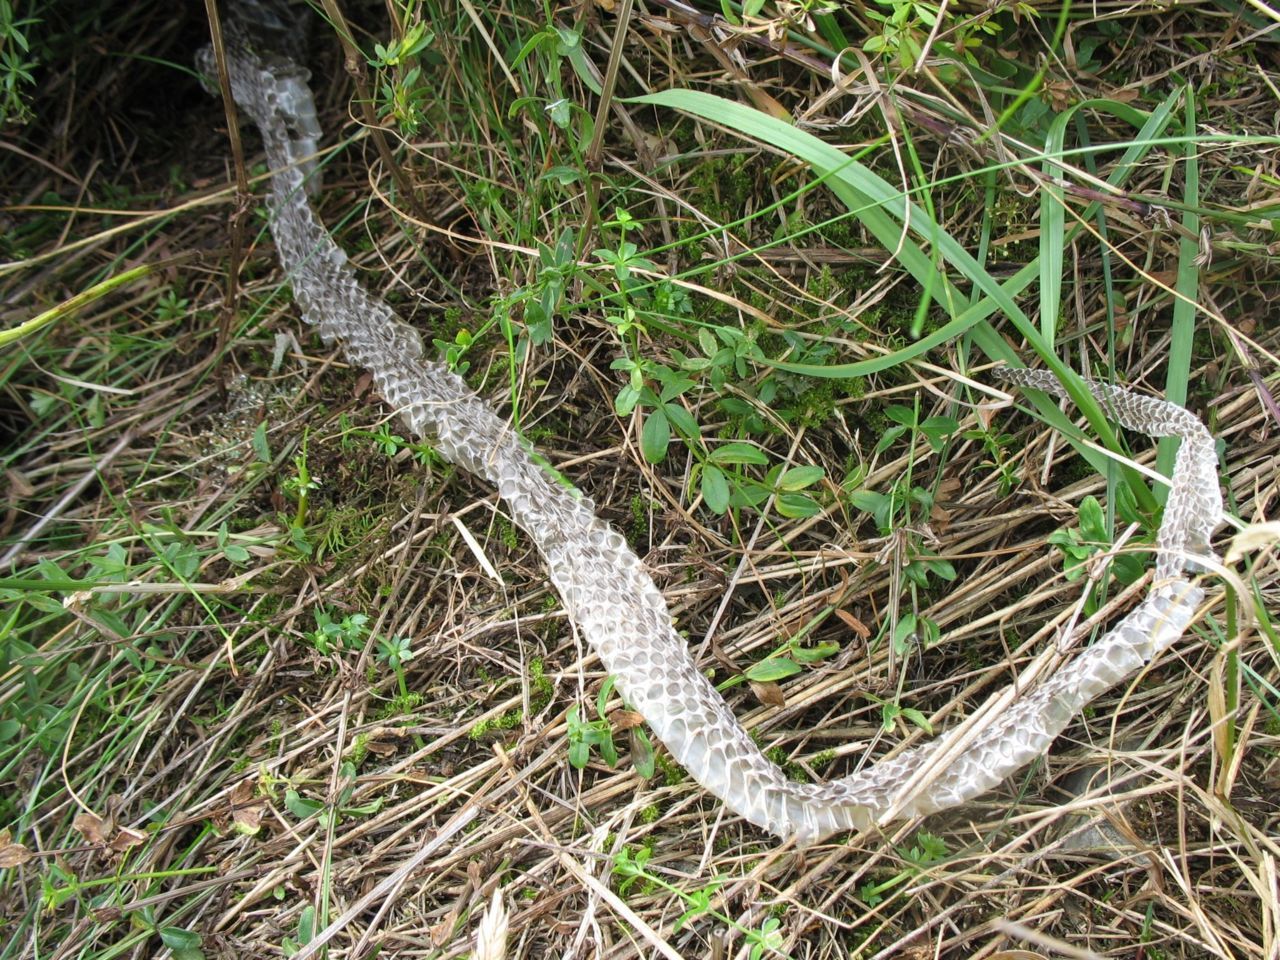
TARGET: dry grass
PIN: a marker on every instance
(182, 761)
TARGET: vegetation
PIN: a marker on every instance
(738, 270)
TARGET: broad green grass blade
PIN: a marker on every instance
(1054, 236)
(1187, 285)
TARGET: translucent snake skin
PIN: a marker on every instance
(603, 584)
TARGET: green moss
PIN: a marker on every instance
(722, 187)
(401, 705)
(359, 749)
(672, 773)
(509, 720)
(540, 691)
(637, 529)
(822, 758)
(541, 687)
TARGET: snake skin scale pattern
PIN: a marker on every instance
(605, 587)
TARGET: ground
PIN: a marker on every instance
(260, 649)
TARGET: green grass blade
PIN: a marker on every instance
(1054, 236)
(1187, 285)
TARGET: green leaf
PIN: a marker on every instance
(1093, 524)
(112, 622)
(1187, 304)
(561, 112)
(236, 553)
(260, 448)
(888, 437)
(577, 58)
(682, 420)
(900, 414)
(642, 754)
(937, 429)
(602, 698)
(707, 341)
(904, 633)
(655, 436)
(797, 478)
(715, 489)
(797, 506)
(738, 453)
(176, 938)
(819, 651)
(626, 400)
(300, 806)
(918, 718)
(607, 750)
(565, 176)
(868, 501)
(771, 669)
(307, 925)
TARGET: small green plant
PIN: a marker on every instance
(389, 443)
(334, 636)
(625, 257)
(786, 661)
(585, 734)
(304, 808)
(386, 441)
(544, 298)
(454, 351)
(16, 65)
(928, 849)
(903, 29)
(550, 47)
(725, 483)
(402, 92)
(234, 552)
(907, 24)
(893, 510)
(1090, 539)
(996, 444)
(768, 937)
(632, 866)
(896, 510)
(933, 430)
(891, 711)
(395, 652)
(299, 488)
(169, 306)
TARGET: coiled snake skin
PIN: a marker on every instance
(604, 585)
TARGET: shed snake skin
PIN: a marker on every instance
(604, 586)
